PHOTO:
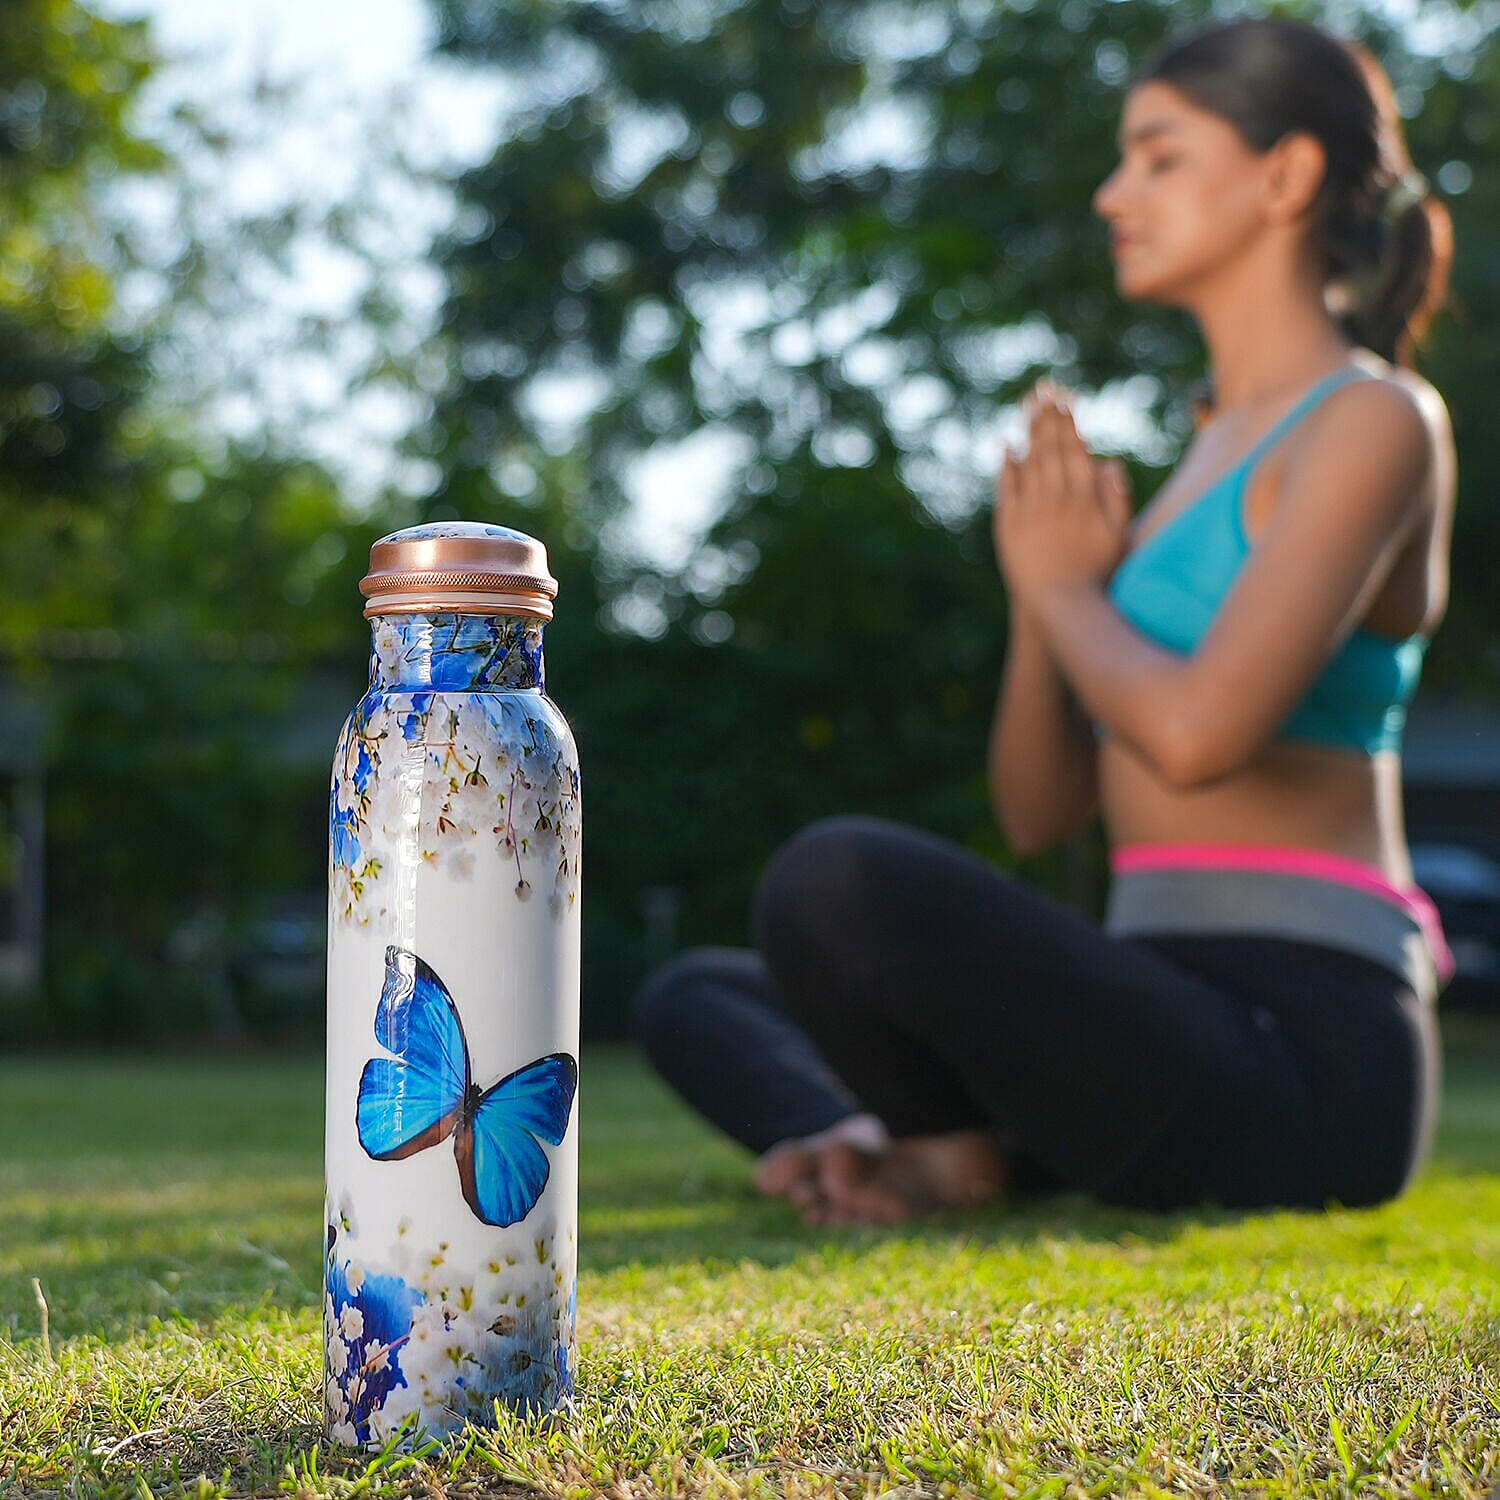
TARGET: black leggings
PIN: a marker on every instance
(896, 972)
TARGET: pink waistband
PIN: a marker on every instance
(1289, 859)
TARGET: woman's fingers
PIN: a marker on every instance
(1046, 455)
(1011, 481)
(1078, 463)
(1057, 463)
(1052, 437)
(1013, 478)
(1116, 493)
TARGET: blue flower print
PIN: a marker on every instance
(517, 1358)
(373, 1321)
(456, 652)
(413, 723)
(457, 701)
(343, 832)
(363, 766)
(531, 653)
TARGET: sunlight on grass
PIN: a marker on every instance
(171, 1213)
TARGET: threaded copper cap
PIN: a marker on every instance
(466, 567)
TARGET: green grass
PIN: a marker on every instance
(171, 1212)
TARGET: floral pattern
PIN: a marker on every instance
(414, 1334)
(454, 763)
(463, 696)
(367, 1319)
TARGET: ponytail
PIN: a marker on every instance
(1388, 297)
(1386, 240)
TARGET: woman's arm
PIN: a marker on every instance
(1043, 761)
(1345, 509)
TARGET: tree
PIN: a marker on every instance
(66, 382)
(181, 608)
(683, 210)
(689, 212)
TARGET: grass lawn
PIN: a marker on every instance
(171, 1212)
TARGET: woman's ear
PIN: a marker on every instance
(1297, 165)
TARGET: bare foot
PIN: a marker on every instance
(789, 1170)
(914, 1174)
(959, 1169)
(851, 1189)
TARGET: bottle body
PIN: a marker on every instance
(453, 977)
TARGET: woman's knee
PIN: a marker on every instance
(663, 1006)
(821, 877)
(680, 1003)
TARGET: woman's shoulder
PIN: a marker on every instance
(1414, 404)
(1421, 391)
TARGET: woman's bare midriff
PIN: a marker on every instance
(1294, 792)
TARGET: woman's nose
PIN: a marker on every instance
(1104, 196)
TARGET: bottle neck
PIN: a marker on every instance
(455, 652)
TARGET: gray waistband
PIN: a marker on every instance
(1273, 903)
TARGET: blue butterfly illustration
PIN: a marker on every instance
(425, 1093)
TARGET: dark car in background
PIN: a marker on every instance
(1451, 790)
(1462, 875)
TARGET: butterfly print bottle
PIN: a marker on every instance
(451, 1151)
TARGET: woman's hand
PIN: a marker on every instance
(1061, 515)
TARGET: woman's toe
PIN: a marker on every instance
(840, 1169)
(782, 1168)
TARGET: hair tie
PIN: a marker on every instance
(1407, 189)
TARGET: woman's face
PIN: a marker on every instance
(1182, 201)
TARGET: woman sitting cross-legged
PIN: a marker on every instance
(1223, 676)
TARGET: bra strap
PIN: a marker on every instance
(1330, 382)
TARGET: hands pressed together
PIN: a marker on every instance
(1061, 515)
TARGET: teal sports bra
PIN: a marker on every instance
(1171, 586)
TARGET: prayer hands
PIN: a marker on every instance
(1061, 515)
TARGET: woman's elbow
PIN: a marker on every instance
(1047, 828)
(1195, 759)
(1019, 838)
(1023, 844)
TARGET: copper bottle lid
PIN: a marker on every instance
(462, 567)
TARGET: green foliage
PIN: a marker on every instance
(171, 1212)
(67, 79)
(186, 611)
(182, 610)
(216, 641)
(836, 644)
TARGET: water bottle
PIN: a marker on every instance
(451, 1145)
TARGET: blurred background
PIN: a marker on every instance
(729, 305)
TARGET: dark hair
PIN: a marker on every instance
(1387, 243)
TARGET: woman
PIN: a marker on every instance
(1224, 677)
